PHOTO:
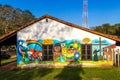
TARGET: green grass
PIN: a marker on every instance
(3, 62)
(51, 62)
(112, 73)
(97, 62)
(76, 62)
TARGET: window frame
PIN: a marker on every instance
(85, 48)
(47, 52)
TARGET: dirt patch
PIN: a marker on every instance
(96, 79)
(10, 66)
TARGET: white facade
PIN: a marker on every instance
(55, 30)
(49, 39)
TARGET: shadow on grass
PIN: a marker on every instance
(70, 73)
(25, 74)
(67, 73)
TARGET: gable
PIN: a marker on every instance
(42, 29)
(55, 30)
(60, 41)
(4, 37)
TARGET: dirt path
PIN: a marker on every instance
(9, 66)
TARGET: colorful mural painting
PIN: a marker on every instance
(35, 51)
(30, 50)
(65, 51)
(101, 51)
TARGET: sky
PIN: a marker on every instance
(99, 11)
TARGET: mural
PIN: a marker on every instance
(86, 41)
(31, 51)
(28, 51)
(102, 50)
(57, 52)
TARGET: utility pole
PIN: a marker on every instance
(85, 14)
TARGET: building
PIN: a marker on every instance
(54, 40)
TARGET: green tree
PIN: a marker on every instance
(108, 29)
(11, 18)
(117, 29)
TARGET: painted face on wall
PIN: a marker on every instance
(57, 51)
(57, 48)
(71, 51)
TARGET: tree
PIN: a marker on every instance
(11, 18)
(108, 29)
(117, 29)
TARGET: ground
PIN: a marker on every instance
(106, 72)
(112, 73)
(10, 72)
(10, 66)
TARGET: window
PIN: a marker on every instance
(86, 51)
(47, 53)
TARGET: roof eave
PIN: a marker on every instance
(61, 21)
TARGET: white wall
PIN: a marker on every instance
(55, 30)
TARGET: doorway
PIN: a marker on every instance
(86, 51)
(47, 52)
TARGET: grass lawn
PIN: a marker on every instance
(112, 73)
(3, 62)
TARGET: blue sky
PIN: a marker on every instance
(100, 11)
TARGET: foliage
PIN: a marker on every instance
(112, 73)
(108, 29)
(11, 18)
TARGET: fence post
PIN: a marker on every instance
(118, 58)
(115, 59)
